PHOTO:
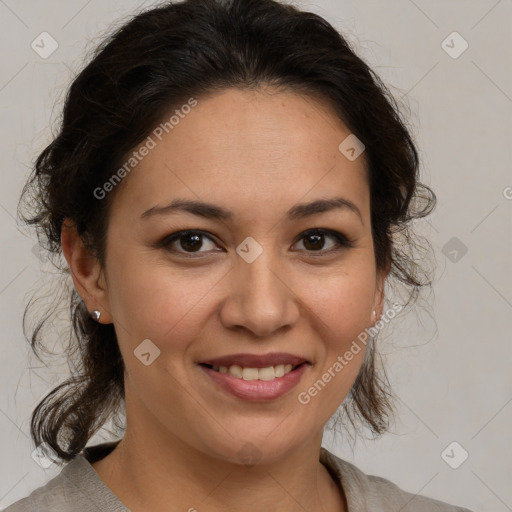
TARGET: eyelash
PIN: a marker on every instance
(343, 242)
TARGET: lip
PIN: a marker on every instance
(256, 390)
(256, 360)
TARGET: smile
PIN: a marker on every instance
(248, 373)
(255, 384)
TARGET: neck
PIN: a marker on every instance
(150, 476)
(152, 468)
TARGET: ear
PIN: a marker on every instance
(86, 271)
(378, 301)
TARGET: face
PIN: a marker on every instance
(253, 278)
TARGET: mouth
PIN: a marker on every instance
(254, 373)
(254, 366)
(255, 378)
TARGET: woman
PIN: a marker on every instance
(226, 188)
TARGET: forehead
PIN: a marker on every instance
(245, 148)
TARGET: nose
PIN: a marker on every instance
(260, 299)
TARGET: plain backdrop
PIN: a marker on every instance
(449, 359)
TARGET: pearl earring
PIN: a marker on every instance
(95, 315)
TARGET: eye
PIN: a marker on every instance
(314, 240)
(190, 242)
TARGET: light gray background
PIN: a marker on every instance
(450, 368)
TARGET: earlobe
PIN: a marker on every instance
(85, 271)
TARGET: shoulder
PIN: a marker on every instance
(54, 495)
(77, 488)
(371, 493)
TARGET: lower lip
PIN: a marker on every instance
(256, 390)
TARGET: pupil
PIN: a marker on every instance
(316, 245)
(196, 244)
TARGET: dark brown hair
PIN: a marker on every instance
(154, 63)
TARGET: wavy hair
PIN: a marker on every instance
(145, 68)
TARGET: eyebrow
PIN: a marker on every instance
(212, 211)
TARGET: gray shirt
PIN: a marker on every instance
(78, 488)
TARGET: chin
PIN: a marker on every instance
(252, 449)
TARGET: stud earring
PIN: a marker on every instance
(95, 315)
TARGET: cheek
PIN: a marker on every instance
(342, 302)
(340, 309)
(153, 301)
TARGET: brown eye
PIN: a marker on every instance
(315, 240)
(186, 242)
(191, 242)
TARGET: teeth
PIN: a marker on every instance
(268, 373)
(280, 369)
(265, 373)
(235, 370)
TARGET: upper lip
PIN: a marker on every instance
(256, 360)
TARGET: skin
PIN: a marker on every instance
(265, 151)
